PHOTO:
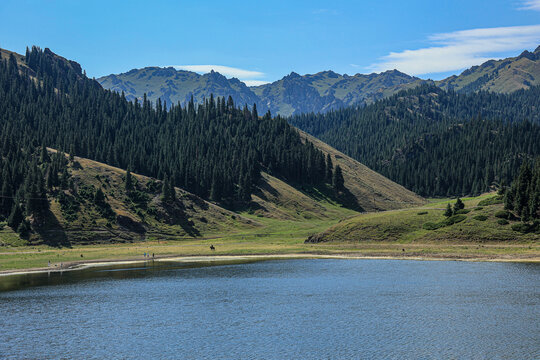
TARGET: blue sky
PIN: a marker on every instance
(259, 41)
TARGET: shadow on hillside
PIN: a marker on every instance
(189, 227)
(324, 192)
(175, 215)
(52, 232)
(347, 199)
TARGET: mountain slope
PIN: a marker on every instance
(142, 213)
(480, 222)
(136, 215)
(501, 76)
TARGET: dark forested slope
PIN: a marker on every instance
(437, 142)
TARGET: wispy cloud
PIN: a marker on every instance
(249, 77)
(460, 49)
(254, 82)
(530, 5)
(223, 70)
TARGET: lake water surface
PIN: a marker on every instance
(282, 309)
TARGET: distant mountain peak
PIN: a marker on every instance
(396, 72)
(292, 75)
(329, 73)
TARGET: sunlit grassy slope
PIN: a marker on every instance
(412, 225)
(503, 76)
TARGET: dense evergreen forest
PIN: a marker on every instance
(215, 149)
(436, 142)
(523, 196)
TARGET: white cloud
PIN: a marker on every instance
(460, 49)
(223, 70)
(246, 76)
(530, 5)
(254, 82)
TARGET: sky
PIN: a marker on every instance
(262, 41)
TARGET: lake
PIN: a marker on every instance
(279, 309)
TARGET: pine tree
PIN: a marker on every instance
(459, 205)
(521, 202)
(15, 217)
(172, 192)
(7, 194)
(24, 228)
(337, 181)
(448, 212)
(216, 189)
(99, 197)
(165, 190)
(510, 197)
(129, 181)
(44, 158)
(64, 178)
(71, 153)
(168, 193)
(329, 169)
(254, 113)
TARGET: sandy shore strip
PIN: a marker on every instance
(80, 265)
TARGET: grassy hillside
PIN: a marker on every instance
(277, 211)
(482, 221)
(74, 218)
(501, 76)
(5, 54)
(372, 191)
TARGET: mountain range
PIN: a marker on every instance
(295, 94)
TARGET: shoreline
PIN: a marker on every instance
(81, 265)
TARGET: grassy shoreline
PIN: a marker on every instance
(452, 252)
